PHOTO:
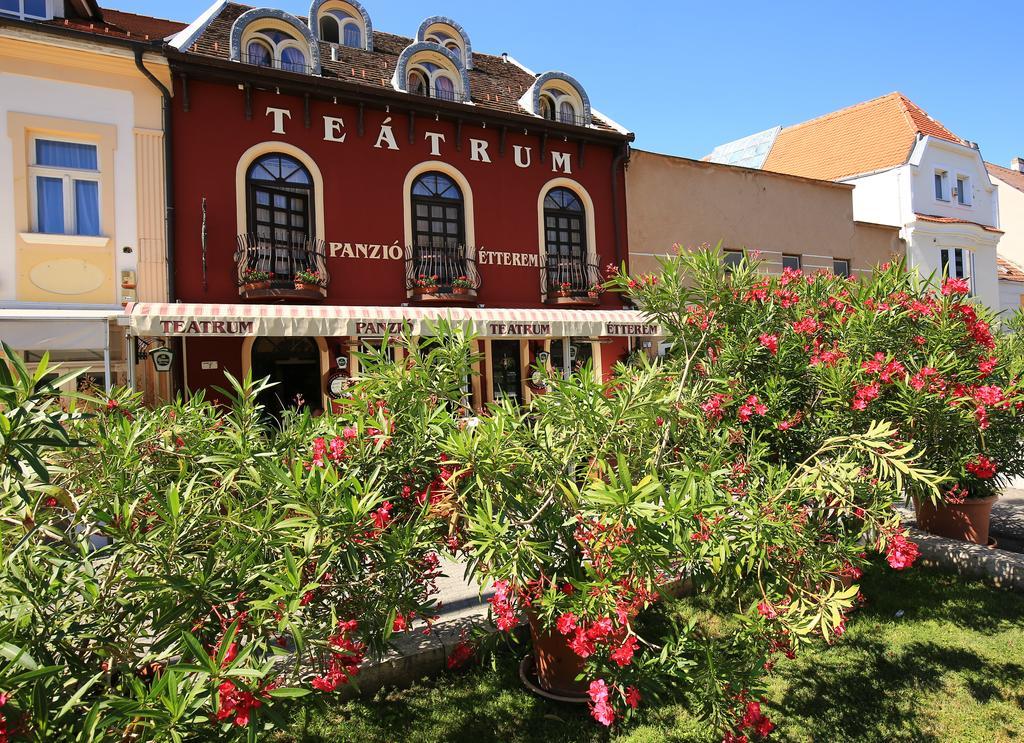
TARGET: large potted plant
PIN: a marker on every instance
(801, 357)
(586, 510)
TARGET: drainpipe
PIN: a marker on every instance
(620, 159)
(165, 96)
(165, 103)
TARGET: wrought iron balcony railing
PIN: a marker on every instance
(441, 94)
(441, 269)
(261, 60)
(284, 266)
(570, 279)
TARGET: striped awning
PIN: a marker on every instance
(151, 319)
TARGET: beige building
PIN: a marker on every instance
(1009, 183)
(83, 226)
(793, 221)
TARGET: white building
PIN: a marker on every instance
(908, 170)
(1009, 184)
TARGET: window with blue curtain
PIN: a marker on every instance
(67, 189)
(87, 208)
(293, 60)
(353, 35)
(50, 204)
(55, 154)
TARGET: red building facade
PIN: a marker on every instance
(332, 183)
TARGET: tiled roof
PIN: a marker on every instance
(1008, 176)
(1009, 271)
(955, 220)
(493, 82)
(869, 136)
(122, 25)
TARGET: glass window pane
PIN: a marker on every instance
(87, 208)
(36, 8)
(65, 154)
(293, 60)
(353, 35)
(329, 29)
(258, 54)
(11, 6)
(262, 197)
(50, 205)
(280, 201)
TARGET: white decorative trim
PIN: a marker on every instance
(74, 241)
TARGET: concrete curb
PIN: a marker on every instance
(998, 567)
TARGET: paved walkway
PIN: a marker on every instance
(1008, 520)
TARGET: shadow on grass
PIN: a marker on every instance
(887, 680)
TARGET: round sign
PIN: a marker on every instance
(336, 384)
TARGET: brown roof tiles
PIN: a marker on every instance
(869, 136)
(494, 83)
(1010, 177)
(1009, 271)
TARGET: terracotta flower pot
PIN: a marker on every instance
(460, 290)
(563, 293)
(426, 290)
(300, 286)
(967, 521)
(556, 664)
(594, 295)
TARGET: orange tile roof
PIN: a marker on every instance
(1009, 271)
(869, 136)
(956, 220)
(1008, 176)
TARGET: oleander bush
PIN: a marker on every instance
(181, 572)
(798, 358)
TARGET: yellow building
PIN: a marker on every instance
(83, 222)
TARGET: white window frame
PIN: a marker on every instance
(968, 264)
(799, 261)
(432, 78)
(68, 176)
(963, 192)
(849, 270)
(944, 175)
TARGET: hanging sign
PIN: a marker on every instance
(163, 358)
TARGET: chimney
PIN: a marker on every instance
(504, 57)
(1017, 164)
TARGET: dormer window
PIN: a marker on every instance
(341, 23)
(274, 48)
(25, 9)
(270, 38)
(430, 70)
(449, 35)
(557, 97)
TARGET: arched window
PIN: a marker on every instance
(566, 112)
(417, 83)
(292, 59)
(438, 230)
(280, 202)
(437, 209)
(547, 107)
(444, 88)
(329, 29)
(353, 35)
(258, 53)
(565, 241)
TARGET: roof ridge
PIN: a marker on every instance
(909, 104)
(842, 111)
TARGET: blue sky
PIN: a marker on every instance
(686, 76)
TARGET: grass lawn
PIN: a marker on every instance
(951, 668)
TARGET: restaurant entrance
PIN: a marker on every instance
(505, 368)
(294, 364)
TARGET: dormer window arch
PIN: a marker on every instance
(557, 96)
(343, 22)
(446, 33)
(272, 38)
(429, 69)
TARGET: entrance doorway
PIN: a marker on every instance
(506, 372)
(581, 353)
(294, 364)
